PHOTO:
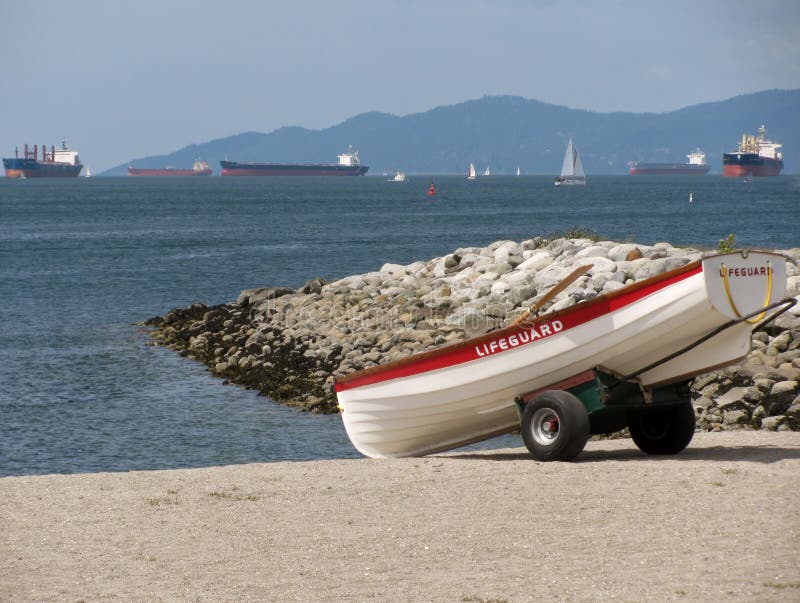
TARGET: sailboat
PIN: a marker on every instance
(518, 172)
(572, 168)
(88, 172)
(487, 172)
(471, 174)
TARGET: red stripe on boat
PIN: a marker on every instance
(490, 344)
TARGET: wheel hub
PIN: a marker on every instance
(545, 426)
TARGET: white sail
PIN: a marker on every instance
(568, 165)
(577, 166)
(487, 172)
(471, 174)
(572, 168)
(518, 172)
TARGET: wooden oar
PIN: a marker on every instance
(553, 292)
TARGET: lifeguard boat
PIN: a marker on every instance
(624, 359)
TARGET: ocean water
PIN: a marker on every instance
(83, 260)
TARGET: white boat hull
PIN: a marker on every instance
(465, 392)
(569, 181)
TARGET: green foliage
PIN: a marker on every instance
(581, 232)
(727, 244)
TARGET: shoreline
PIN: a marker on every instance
(712, 523)
(292, 344)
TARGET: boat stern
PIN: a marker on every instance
(744, 282)
(738, 290)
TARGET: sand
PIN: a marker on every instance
(717, 522)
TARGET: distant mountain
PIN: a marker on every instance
(504, 132)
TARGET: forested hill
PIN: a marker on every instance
(504, 132)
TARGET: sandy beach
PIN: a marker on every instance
(717, 522)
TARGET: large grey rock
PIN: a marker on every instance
(314, 285)
(393, 269)
(780, 343)
(701, 381)
(773, 423)
(789, 371)
(733, 399)
(594, 253)
(735, 417)
(600, 265)
(537, 260)
(620, 253)
(781, 397)
(451, 261)
(253, 296)
(659, 266)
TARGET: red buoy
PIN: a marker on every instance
(431, 190)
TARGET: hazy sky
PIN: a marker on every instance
(122, 80)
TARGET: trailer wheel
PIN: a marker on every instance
(555, 426)
(665, 430)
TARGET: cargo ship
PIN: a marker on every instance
(200, 168)
(348, 165)
(55, 163)
(697, 165)
(756, 156)
(13, 166)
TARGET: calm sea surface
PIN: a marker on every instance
(82, 260)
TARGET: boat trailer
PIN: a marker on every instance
(556, 421)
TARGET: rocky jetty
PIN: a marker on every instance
(291, 344)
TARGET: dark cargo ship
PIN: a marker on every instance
(697, 165)
(756, 156)
(200, 168)
(348, 165)
(57, 163)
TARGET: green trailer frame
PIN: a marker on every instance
(610, 402)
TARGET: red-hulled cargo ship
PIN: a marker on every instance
(348, 165)
(200, 168)
(55, 163)
(756, 156)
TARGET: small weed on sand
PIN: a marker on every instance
(170, 499)
(233, 495)
(782, 585)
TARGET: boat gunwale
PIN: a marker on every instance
(516, 328)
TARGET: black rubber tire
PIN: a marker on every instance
(559, 441)
(664, 430)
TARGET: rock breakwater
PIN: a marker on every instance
(291, 344)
